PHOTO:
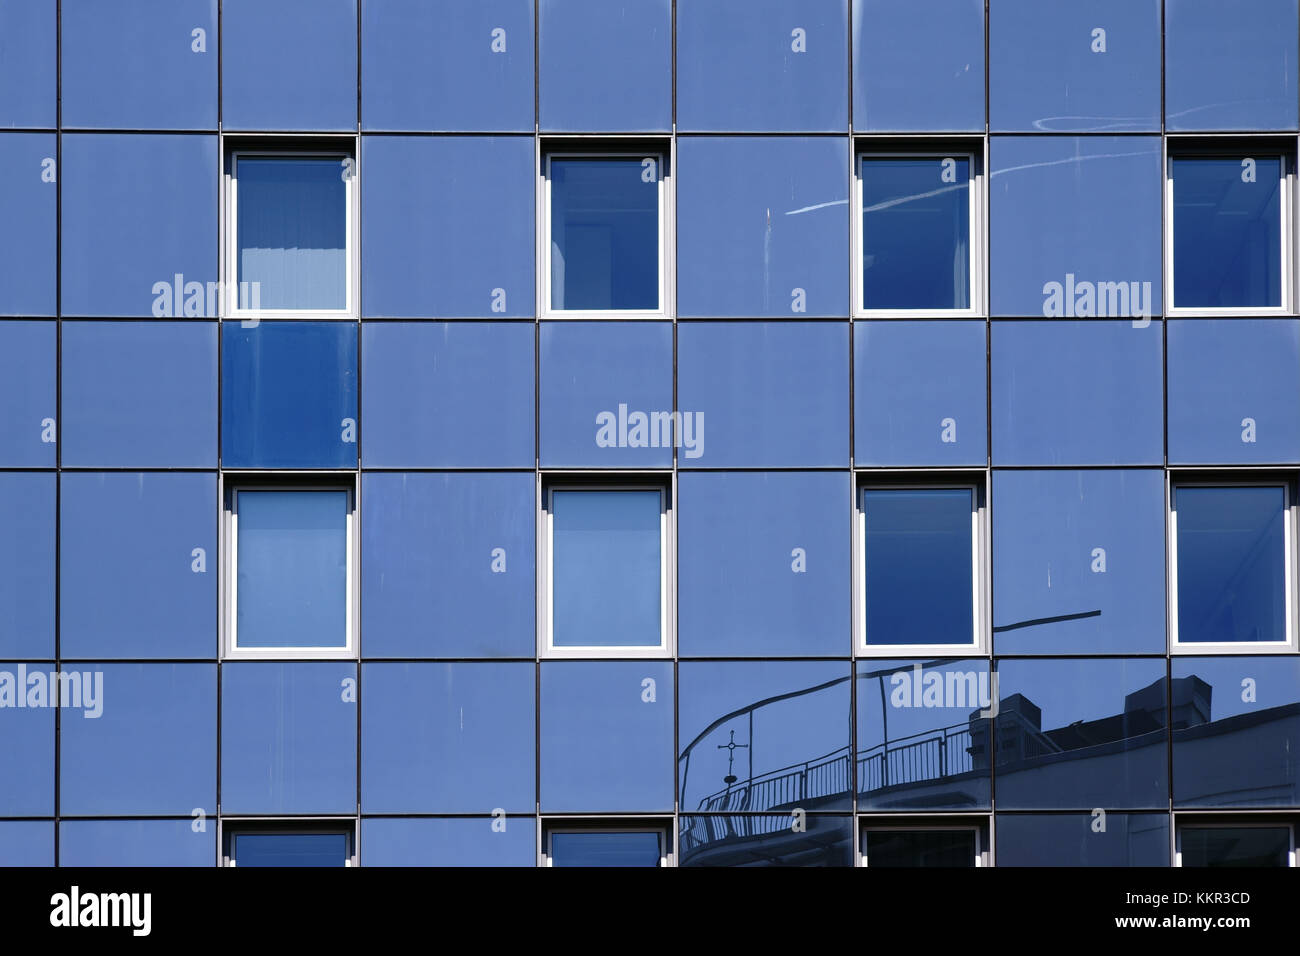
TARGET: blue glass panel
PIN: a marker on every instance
(448, 841)
(760, 384)
(139, 394)
(289, 392)
(894, 847)
(27, 565)
(1231, 563)
(1080, 733)
(1227, 232)
(132, 584)
(765, 840)
(1079, 562)
(136, 843)
(915, 232)
(293, 568)
(448, 738)
(923, 734)
(605, 249)
(919, 565)
(288, 737)
(28, 63)
(448, 564)
(29, 197)
(771, 66)
(1075, 226)
(605, 66)
(919, 393)
(481, 79)
(151, 64)
(27, 696)
(460, 206)
(1228, 69)
(289, 65)
(1236, 731)
(763, 564)
(292, 233)
(26, 842)
(762, 226)
(1091, 67)
(607, 558)
(606, 736)
(606, 848)
(918, 67)
(764, 735)
(607, 396)
(289, 849)
(1073, 839)
(1077, 393)
(28, 366)
(160, 193)
(1239, 846)
(144, 740)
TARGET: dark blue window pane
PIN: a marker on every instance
(604, 235)
(916, 233)
(606, 590)
(606, 848)
(919, 848)
(1235, 846)
(1072, 839)
(1227, 233)
(292, 568)
(919, 566)
(759, 839)
(292, 239)
(1231, 564)
(289, 849)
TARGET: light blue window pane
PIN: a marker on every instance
(606, 566)
(292, 233)
(641, 848)
(292, 568)
(1227, 233)
(289, 849)
(916, 233)
(1231, 557)
(604, 235)
(918, 565)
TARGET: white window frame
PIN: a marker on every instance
(546, 574)
(1253, 823)
(1286, 200)
(871, 826)
(234, 828)
(230, 514)
(978, 647)
(616, 825)
(662, 185)
(230, 297)
(975, 241)
(1289, 564)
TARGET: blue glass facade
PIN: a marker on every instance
(890, 420)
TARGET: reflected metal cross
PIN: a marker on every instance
(731, 747)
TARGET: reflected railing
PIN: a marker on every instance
(922, 757)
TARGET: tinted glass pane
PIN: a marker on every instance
(606, 566)
(606, 849)
(292, 568)
(1227, 232)
(919, 847)
(916, 233)
(1231, 564)
(604, 235)
(1073, 839)
(919, 566)
(292, 218)
(762, 839)
(1236, 846)
(289, 849)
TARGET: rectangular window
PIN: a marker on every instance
(605, 234)
(1237, 845)
(290, 245)
(644, 846)
(607, 577)
(921, 581)
(919, 234)
(921, 847)
(1232, 568)
(1229, 233)
(290, 571)
(288, 845)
